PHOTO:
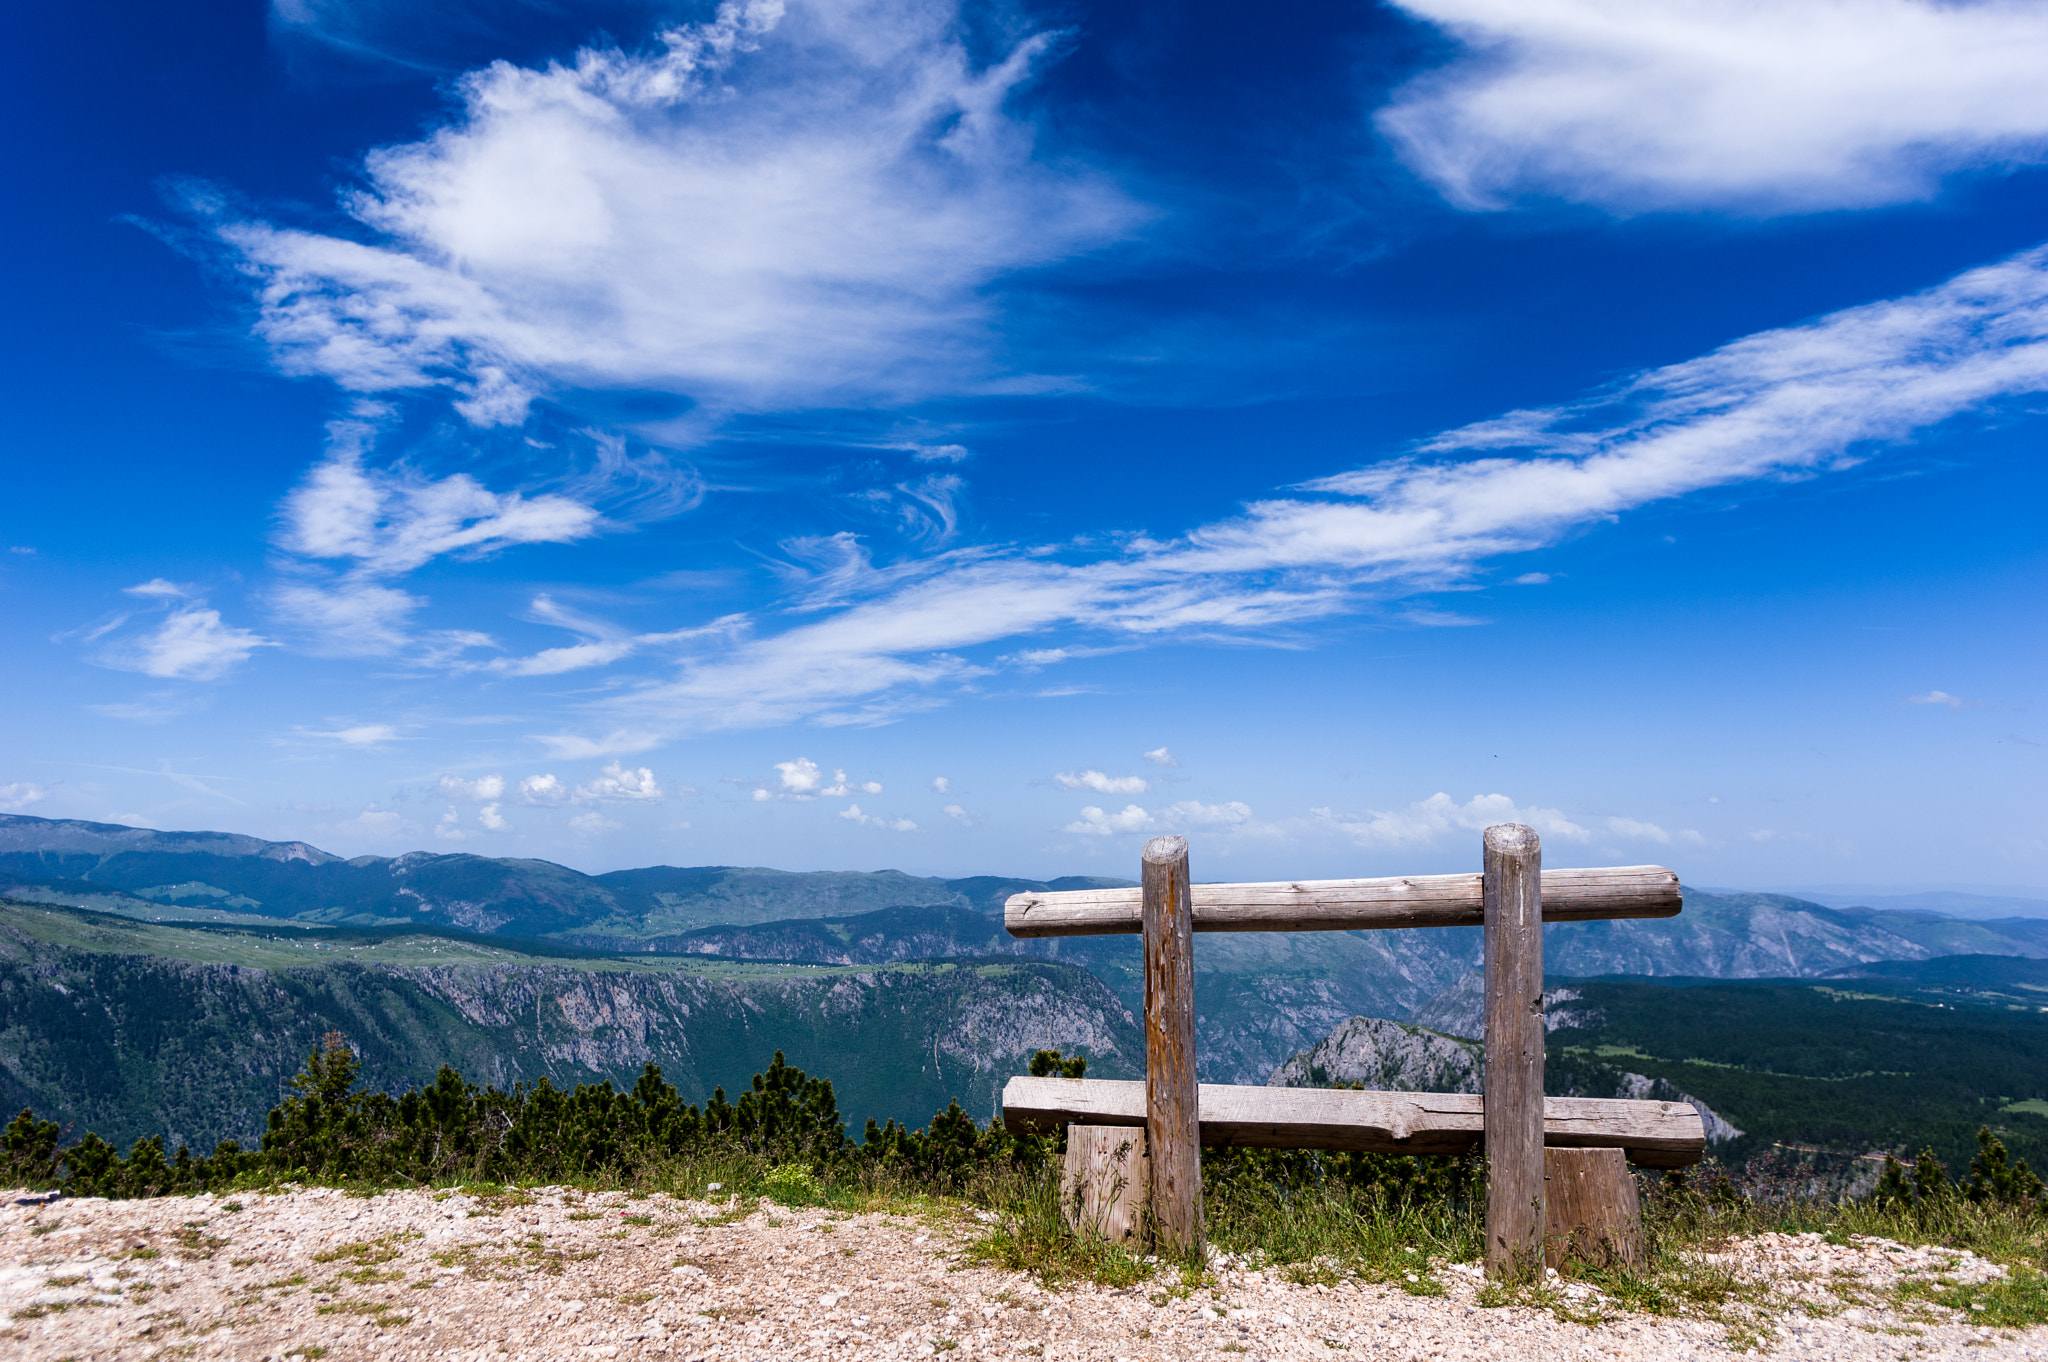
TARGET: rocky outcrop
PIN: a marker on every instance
(1391, 1056)
(1384, 1056)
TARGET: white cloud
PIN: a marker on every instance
(800, 779)
(389, 521)
(1638, 831)
(1093, 822)
(1797, 106)
(768, 210)
(30, 549)
(1938, 697)
(942, 785)
(19, 794)
(156, 588)
(192, 644)
(923, 454)
(853, 814)
(375, 822)
(449, 828)
(482, 790)
(1428, 821)
(361, 735)
(1159, 756)
(1193, 813)
(603, 643)
(620, 784)
(593, 822)
(543, 789)
(1102, 784)
(958, 815)
(1532, 579)
(1778, 405)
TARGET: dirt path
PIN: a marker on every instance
(554, 1274)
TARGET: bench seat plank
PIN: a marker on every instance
(1627, 891)
(1654, 1134)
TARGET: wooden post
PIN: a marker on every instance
(1514, 1051)
(1172, 1119)
(1591, 1210)
(1107, 1181)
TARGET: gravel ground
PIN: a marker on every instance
(556, 1274)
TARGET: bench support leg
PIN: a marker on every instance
(1173, 1133)
(1107, 1181)
(1592, 1210)
(1513, 891)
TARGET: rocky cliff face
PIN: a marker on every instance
(198, 1051)
(1384, 1056)
(1391, 1056)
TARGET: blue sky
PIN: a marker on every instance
(973, 439)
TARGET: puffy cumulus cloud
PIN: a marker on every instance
(853, 814)
(942, 785)
(1798, 106)
(959, 815)
(620, 784)
(543, 789)
(1094, 822)
(776, 207)
(1791, 403)
(482, 790)
(1159, 756)
(1424, 823)
(19, 794)
(800, 779)
(804, 780)
(617, 783)
(489, 816)
(1102, 784)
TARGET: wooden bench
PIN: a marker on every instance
(1513, 1121)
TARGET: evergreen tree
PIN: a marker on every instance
(1994, 1180)
(1930, 1179)
(1893, 1191)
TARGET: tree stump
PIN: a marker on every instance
(1591, 1211)
(1107, 1181)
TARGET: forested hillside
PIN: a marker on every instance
(134, 1029)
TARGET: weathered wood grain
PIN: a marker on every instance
(1107, 1181)
(1653, 1134)
(1172, 1136)
(1591, 1211)
(1514, 1050)
(1625, 891)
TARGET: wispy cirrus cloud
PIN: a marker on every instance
(633, 220)
(191, 643)
(1763, 108)
(1428, 820)
(1792, 403)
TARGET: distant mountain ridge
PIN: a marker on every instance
(1261, 997)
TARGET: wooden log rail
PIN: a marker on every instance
(1652, 1134)
(1628, 891)
(1510, 899)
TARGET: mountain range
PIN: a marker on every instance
(383, 926)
